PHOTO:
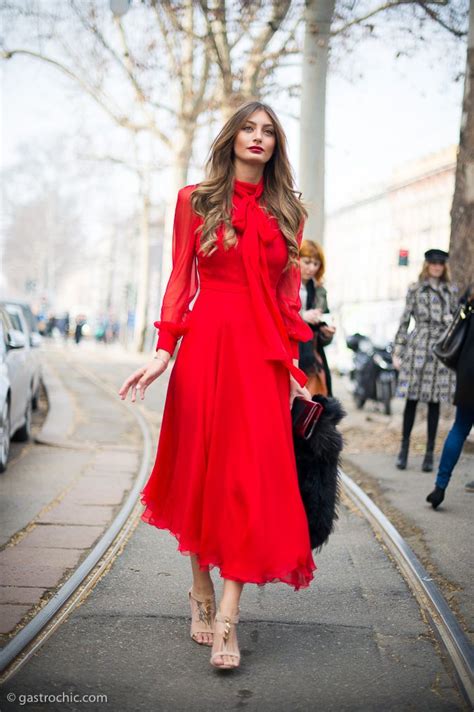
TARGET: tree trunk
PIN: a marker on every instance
(141, 310)
(462, 213)
(318, 16)
(179, 179)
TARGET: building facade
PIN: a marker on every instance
(375, 245)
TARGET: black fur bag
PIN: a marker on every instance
(317, 463)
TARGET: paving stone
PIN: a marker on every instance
(10, 615)
(71, 513)
(21, 594)
(87, 496)
(111, 473)
(102, 478)
(61, 536)
(39, 576)
(16, 556)
(118, 461)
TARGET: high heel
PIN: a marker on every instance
(427, 464)
(403, 454)
(222, 625)
(203, 609)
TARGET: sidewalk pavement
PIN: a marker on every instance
(442, 539)
(61, 493)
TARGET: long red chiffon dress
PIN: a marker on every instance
(224, 482)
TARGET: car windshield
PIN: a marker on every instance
(15, 319)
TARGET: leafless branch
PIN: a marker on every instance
(98, 96)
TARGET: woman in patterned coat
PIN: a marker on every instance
(431, 302)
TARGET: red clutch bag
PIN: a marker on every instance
(305, 414)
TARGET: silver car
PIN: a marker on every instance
(15, 387)
(23, 320)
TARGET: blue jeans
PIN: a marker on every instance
(454, 444)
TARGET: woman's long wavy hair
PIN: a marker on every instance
(212, 199)
(424, 274)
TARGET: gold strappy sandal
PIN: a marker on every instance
(222, 624)
(203, 610)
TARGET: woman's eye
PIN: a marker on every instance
(248, 128)
(269, 132)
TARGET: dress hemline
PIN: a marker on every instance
(298, 577)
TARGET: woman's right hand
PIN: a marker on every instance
(312, 316)
(143, 377)
(396, 363)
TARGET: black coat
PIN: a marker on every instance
(316, 298)
(464, 395)
(317, 464)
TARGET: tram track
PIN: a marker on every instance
(446, 628)
(452, 639)
(81, 582)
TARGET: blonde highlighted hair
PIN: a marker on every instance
(424, 274)
(212, 199)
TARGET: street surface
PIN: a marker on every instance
(442, 539)
(354, 640)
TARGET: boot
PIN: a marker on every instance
(436, 496)
(427, 464)
(403, 454)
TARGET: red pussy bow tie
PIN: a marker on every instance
(256, 228)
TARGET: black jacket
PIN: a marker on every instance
(464, 395)
(316, 298)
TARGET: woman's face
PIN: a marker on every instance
(255, 141)
(309, 267)
(436, 269)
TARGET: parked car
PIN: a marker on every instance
(23, 320)
(15, 387)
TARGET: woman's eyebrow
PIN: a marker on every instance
(264, 125)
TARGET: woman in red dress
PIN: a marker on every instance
(224, 481)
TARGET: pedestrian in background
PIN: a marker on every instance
(314, 304)
(78, 331)
(464, 402)
(431, 303)
(224, 480)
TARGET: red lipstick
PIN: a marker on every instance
(256, 149)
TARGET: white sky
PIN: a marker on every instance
(399, 110)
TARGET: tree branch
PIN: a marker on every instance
(217, 34)
(434, 16)
(250, 77)
(99, 97)
(385, 6)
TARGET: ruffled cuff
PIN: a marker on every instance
(299, 330)
(169, 333)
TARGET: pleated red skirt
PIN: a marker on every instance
(224, 482)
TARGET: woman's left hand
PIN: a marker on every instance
(327, 331)
(297, 390)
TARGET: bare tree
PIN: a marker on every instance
(155, 73)
(249, 41)
(41, 242)
(462, 213)
(120, 65)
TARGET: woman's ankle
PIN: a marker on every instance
(229, 608)
(203, 588)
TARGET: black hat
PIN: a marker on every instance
(436, 256)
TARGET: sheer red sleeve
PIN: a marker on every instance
(183, 282)
(289, 301)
